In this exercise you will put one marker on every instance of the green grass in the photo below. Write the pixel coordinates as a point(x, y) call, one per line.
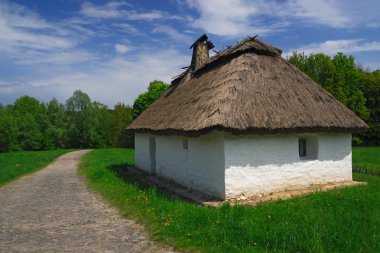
point(344, 220)
point(366, 160)
point(16, 164)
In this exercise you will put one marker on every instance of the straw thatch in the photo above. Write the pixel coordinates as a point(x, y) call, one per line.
point(247, 88)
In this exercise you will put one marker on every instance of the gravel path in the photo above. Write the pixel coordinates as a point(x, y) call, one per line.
point(53, 211)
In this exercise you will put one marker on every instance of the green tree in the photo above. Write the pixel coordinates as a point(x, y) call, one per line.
point(27, 105)
point(81, 121)
point(299, 60)
point(29, 137)
point(338, 75)
point(7, 130)
point(43, 122)
point(370, 86)
point(155, 90)
point(121, 118)
point(32, 123)
point(322, 70)
point(347, 76)
point(318, 67)
point(56, 130)
point(102, 125)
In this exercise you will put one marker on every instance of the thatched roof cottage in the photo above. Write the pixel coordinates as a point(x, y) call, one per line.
point(245, 121)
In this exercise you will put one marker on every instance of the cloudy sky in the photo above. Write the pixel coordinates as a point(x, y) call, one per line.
point(112, 49)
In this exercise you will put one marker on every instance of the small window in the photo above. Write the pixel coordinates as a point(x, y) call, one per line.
point(308, 147)
point(302, 147)
point(185, 143)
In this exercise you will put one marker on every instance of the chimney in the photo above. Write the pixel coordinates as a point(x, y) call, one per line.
point(200, 51)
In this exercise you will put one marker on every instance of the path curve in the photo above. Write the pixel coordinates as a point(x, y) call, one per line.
point(53, 211)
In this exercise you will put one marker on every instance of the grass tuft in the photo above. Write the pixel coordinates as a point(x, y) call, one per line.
point(343, 220)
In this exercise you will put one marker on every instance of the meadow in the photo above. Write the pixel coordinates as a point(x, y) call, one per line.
point(342, 220)
point(16, 164)
point(366, 160)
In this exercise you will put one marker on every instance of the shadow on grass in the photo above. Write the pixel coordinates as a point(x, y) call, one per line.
point(141, 180)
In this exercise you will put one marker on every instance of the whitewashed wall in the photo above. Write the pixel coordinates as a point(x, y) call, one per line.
point(225, 165)
point(199, 167)
point(264, 164)
point(142, 159)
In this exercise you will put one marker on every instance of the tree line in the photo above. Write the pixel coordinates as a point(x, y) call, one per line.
point(355, 87)
point(29, 124)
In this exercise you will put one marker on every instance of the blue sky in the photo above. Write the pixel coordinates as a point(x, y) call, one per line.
point(113, 49)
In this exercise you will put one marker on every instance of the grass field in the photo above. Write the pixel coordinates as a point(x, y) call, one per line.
point(345, 220)
point(366, 160)
point(16, 164)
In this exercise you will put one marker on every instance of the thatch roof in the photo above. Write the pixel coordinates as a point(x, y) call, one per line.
point(247, 88)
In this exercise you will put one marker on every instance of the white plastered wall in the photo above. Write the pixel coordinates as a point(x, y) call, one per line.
point(142, 159)
point(264, 164)
point(200, 167)
point(224, 165)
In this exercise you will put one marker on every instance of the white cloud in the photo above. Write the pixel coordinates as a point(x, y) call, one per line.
point(373, 25)
point(47, 55)
point(132, 15)
point(28, 39)
point(331, 47)
point(59, 58)
point(19, 16)
point(226, 17)
point(109, 10)
point(172, 33)
point(117, 10)
point(20, 27)
point(117, 79)
point(246, 17)
point(121, 48)
point(11, 38)
point(324, 12)
point(79, 26)
point(128, 28)
point(331, 13)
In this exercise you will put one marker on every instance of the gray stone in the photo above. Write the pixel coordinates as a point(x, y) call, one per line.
point(53, 211)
